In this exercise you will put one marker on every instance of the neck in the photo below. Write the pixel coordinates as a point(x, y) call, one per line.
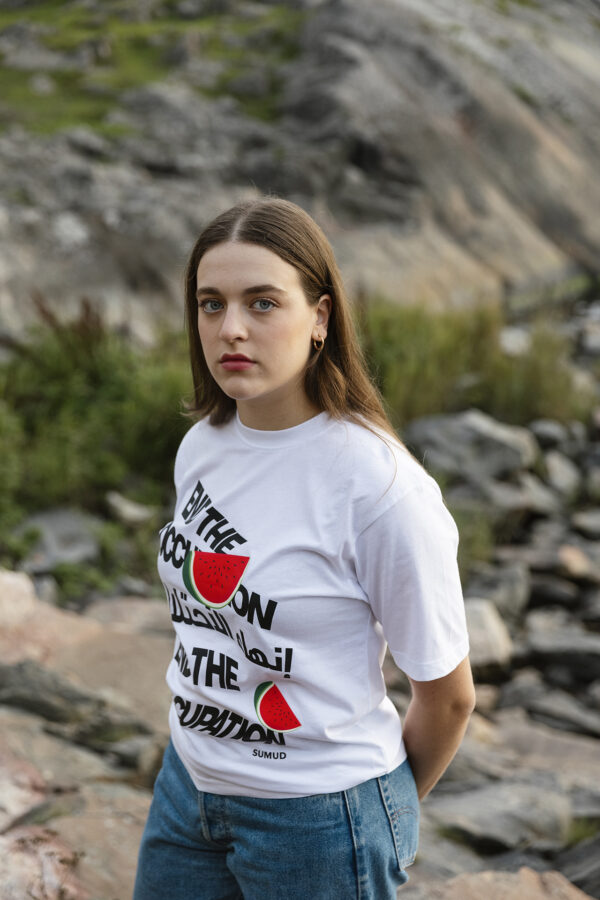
point(275, 417)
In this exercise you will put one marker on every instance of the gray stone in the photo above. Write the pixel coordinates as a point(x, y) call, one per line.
point(549, 433)
point(548, 590)
point(590, 610)
point(587, 521)
point(552, 638)
point(581, 865)
point(506, 586)
point(515, 341)
point(563, 711)
point(491, 645)
point(592, 483)
point(66, 536)
point(128, 511)
point(524, 814)
point(517, 501)
point(471, 445)
point(563, 475)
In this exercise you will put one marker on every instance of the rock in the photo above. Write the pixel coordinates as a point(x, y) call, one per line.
point(552, 638)
point(535, 813)
point(35, 863)
point(555, 708)
point(22, 788)
point(438, 856)
point(83, 717)
point(549, 433)
point(522, 885)
point(106, 833)
point(525, 685)
point(132, 615)
point(66, 536)
point(127, 511)
point(592, 483)
point(471, 445)
point(63, 766)
point(130, 666)
point(515, 341)
point(32, 628)
point(590, 609)
point(576, 562)
point(515, 503)
point(537, 747)
point(487, 697)
point(561, 710)
point(491, 645)
point(563, 475)
point(581, 865)
point(549, 590)
point(587, 521)
point(506, 586)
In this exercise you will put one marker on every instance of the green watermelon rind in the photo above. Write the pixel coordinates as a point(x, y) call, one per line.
point(188, 580)
point(187, 577)
point(259, 694)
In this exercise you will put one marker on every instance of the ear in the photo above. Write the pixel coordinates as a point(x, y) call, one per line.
point(323, 311)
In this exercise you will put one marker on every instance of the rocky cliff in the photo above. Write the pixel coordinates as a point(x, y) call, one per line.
point(449, 149)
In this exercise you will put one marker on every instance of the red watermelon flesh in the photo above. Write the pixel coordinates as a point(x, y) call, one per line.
point(272, 708)
point(213, 578)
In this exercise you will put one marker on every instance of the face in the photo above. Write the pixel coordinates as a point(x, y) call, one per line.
point(256, 328)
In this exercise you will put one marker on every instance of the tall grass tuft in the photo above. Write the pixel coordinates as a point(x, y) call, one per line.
point(428, 362)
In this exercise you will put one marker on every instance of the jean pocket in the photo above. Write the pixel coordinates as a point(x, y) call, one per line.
point(400, 799)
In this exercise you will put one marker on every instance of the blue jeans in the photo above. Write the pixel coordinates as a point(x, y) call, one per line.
point(349, 844)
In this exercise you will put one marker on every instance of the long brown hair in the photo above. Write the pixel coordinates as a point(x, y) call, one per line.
point(336, 378)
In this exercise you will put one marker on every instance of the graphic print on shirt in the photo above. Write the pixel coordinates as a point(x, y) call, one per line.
point(214, 579)
point(272, 709)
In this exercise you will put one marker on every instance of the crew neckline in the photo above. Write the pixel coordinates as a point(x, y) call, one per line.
point(283, 437)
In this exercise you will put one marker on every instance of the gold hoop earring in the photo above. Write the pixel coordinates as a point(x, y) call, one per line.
point(317, 345)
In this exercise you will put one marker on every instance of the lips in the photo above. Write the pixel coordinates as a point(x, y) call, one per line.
point(235, 362)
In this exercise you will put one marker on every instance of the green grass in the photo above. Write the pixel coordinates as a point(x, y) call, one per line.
point(128, 53)
point(427, 362)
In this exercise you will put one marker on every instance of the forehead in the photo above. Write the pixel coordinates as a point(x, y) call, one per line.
point(234, 264)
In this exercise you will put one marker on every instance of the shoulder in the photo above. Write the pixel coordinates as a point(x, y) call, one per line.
point(380, 470)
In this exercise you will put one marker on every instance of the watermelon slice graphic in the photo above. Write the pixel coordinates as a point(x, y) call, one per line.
point(272, 708)
point(213, 578)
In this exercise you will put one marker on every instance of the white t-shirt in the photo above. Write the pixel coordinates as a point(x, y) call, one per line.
point(341, 545)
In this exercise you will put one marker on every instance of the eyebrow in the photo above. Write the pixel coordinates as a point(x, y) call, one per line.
point(256, 289)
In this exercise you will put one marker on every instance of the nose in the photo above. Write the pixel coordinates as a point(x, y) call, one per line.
point(233, 327)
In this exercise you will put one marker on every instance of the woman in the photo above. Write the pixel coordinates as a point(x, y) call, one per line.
point(305, 536)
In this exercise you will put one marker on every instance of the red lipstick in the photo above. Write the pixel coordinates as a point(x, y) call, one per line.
point(233, 362)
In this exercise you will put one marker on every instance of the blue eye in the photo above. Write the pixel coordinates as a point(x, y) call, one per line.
point(210, 306)
point(263, 304)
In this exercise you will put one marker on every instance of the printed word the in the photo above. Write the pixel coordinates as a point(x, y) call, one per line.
point(208, 667)
point(213, 525)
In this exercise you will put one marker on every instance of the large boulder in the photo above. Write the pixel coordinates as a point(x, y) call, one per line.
point(471, 445)
point(534, 813)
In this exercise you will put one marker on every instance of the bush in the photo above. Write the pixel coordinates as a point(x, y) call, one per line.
point(90, 413)
point(433, 362)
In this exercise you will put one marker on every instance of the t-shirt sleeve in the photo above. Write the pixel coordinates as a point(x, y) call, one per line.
point(407, 565)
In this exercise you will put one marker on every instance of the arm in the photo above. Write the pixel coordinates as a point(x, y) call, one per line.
point(435, 723)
